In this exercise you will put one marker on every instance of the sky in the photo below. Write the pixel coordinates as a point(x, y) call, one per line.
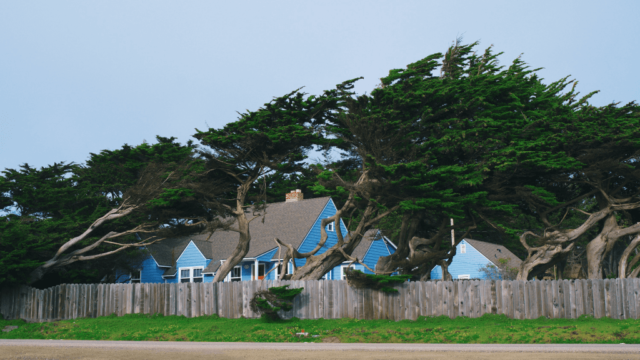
point(77, 77)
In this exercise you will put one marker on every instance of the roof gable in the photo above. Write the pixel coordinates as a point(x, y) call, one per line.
point(288, 221)
point(313, 235)
point(493, 252)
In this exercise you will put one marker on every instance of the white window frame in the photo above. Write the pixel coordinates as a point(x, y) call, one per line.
point(255, 273)
point(463, 248)
point(231, 277)
point(464, 277)
point(331, 227)
point(133, 280)
point(342, 267)
point(190, 277)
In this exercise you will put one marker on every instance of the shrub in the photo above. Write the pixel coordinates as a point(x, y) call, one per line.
point(268, 302)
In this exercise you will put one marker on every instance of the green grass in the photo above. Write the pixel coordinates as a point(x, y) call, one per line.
point(485, 330)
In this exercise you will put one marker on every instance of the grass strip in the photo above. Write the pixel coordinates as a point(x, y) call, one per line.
point(488, 329)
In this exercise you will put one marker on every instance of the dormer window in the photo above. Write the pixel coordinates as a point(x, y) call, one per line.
point(330, 227)
point(191, 274)
point(135, 276)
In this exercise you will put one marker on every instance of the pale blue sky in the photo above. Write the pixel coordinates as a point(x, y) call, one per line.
point(81, 76)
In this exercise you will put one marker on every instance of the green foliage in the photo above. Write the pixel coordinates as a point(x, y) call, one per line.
point(269, 302)
point(55, 203)
point(501, 271)
point(170, 197)
point(488, 329)
point(384, 283)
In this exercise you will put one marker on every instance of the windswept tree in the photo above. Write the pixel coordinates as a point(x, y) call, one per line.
point(68, 214)
point(417, 148)
point(270, 142)
point(463, 143)
point(591, 197)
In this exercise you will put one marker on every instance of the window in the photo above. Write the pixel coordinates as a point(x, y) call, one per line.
point(464, 277)
point(135, 276)
point(197, 275)
point(185, 276)
point(330, 227)
point(236, 273)
point(463, 248)
point(343, 275)
point(192, 274)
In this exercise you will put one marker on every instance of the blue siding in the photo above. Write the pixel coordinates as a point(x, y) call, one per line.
point(272, 274)
point(464, 264)
point(313, 238)
point(266, 257)
point(246, 273)
point(191, 256)
point(336, 272)
point(151, 272)
point(377, 249)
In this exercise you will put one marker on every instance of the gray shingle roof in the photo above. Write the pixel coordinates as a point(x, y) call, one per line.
point(493, 252)
point(288, 221)
point(371, 235)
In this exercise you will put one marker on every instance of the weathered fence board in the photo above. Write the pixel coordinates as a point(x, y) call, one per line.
point(614, 298)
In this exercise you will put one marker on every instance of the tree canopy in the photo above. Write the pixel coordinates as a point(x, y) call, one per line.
point(510, 158)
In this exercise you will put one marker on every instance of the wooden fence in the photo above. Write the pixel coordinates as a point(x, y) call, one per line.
point(616, 298)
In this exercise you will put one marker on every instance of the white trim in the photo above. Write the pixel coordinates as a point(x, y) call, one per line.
point(384, 241)
point(394, 246)
point(464, 277)
point(185, 249)
point(255, 269)
point(331, 227)
point(231, 271)
point(481, 254)
point(463, 248)
point(477, 251)
point(353, 266)
point(190, 268)
point(369, 249)
point(314, 222)
point(264, 253)
point(318, 217)
point(157, 264)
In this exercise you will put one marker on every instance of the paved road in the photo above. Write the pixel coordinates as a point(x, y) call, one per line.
point(74, 349)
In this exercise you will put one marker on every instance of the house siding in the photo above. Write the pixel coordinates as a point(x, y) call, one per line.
point(191, 256)
point(151, 272)
point(377, 249)
point(464, 264)
point(313, 237)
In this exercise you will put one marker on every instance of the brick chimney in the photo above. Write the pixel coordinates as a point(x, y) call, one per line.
point(294, 195)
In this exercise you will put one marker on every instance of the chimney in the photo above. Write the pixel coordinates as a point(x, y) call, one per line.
point(294, 195)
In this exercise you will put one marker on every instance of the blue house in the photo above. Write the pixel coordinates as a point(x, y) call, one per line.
point(471, 255)
point(296, 221)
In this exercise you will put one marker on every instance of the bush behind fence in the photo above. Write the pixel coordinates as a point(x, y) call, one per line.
point(333, 299)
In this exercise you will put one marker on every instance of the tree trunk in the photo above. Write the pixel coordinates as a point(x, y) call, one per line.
point(399, 258)
point(624, 267)
point(552, 248)
point(446, 276)
point(239, 252)
point(602, 245)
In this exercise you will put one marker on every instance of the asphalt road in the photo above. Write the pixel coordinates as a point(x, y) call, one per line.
point(77, 349)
